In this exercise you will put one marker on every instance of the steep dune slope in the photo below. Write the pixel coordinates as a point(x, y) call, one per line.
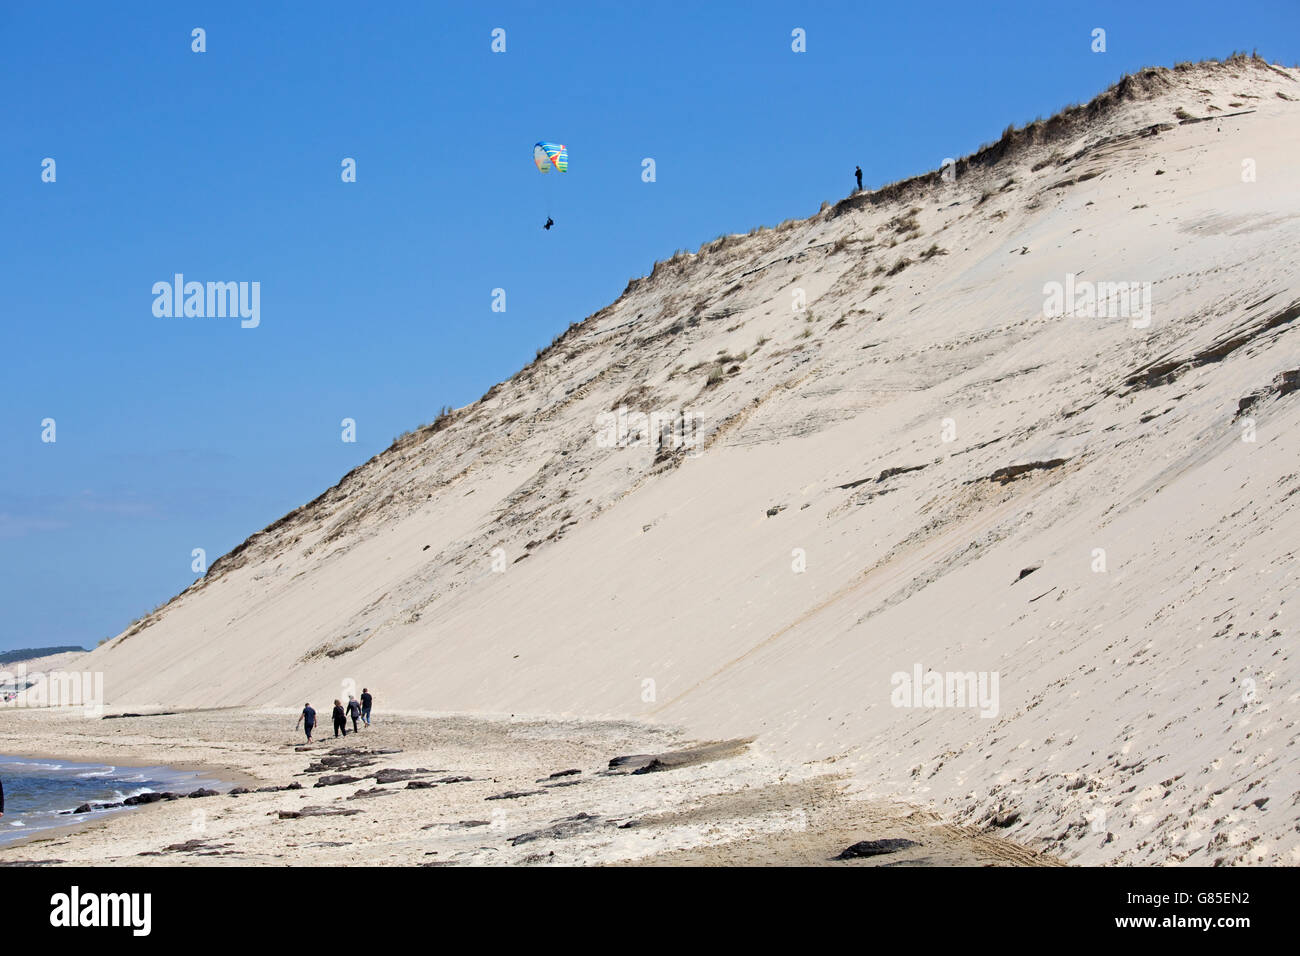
point(861, 487)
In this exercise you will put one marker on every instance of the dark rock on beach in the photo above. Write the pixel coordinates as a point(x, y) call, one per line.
point(559, 775)
point(654, 766)
point(566, 827)
point(92, 807)
point(420, 785)
point(292, 786)
point(147, 798)
point(31, 862)
point(161, 713)
point(316, 812)
point(349, 758)
point(466, 824)
point(393, 775)
point(201, 847)
point(336, 764)
point(632, 760)
point(653, 763)
point(514, 794)
point(372, 792)
point(335, 779)
point(875, 848)
point(203, 792)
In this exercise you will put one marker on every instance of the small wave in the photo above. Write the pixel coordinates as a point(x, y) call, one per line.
point(32, 765)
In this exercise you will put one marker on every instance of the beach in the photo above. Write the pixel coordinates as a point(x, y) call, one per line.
point(474, 790)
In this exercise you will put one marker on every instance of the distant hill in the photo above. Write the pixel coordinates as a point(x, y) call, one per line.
point(28, 653)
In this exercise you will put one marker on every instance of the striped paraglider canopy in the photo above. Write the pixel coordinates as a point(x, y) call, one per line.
point(550, 156)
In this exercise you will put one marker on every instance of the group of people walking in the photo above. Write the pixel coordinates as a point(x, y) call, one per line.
point(358, 711)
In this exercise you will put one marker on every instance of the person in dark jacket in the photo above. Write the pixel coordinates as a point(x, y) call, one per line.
point(354, 711)
point(366, 703)
point(858, 172)
point(340, 719)
point(308, 719)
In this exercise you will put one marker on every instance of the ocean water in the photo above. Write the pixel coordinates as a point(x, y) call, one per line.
point(36, 790)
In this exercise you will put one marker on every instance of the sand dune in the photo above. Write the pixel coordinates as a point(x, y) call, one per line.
point(867, 487)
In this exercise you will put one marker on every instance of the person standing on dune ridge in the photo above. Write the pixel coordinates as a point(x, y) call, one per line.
point(858, 172)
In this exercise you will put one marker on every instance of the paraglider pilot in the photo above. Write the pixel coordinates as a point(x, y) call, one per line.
point(547, 157)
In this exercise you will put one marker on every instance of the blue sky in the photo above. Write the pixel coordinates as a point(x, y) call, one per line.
point(179, 433)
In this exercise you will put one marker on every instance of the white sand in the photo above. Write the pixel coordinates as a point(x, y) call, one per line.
point(1126, 729)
